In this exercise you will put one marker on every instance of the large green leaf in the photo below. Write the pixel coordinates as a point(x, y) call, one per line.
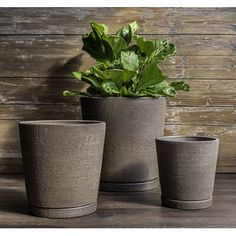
point(146, 46)
point(118, 45)
point(159, 50)
point(128, 31)
point(164, 88)
point(124, 92)
point(110, 87)
point(97, 43)
point(98, 48)
point(161, 89)
point(107, 48)
point(151, 75)
point(180, 85)
point(78, 75)
point(135, 48)
point(90, 45)
point(68, 93)
point(168, 50)
point(90, 79)
point(129, 61)
point(100, 28)
point(134, 26)
point(118, 76)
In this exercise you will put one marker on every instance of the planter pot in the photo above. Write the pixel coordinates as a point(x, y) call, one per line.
point(187, 168)
point(132, 124)
point(62, 163)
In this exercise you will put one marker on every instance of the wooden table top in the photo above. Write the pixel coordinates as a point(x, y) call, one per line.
point(132, 210)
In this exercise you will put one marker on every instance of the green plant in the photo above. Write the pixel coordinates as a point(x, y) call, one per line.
point(126, 64)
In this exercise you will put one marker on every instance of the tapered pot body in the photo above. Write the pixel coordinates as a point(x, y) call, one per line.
point(132, 124)
point(187, 168)
point(62, 165)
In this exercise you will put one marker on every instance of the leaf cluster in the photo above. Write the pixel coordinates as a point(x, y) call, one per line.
point(126, 64)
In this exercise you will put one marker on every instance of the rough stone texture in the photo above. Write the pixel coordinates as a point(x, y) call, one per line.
point(187, 170)
point(62, 165)
point(130, 162)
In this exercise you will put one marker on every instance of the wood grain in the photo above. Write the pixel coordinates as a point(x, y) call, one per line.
point(49, 91)
point(226, 134)
point(152, 20)
point(207, 93)
point(37, 90)
point(199, 56)
point(201, 115)
point(216, 116)
point(123, 210)
point(11, 165)
point(40, 112)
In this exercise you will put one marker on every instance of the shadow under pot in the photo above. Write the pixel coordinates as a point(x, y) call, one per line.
point(132, 125)
point(62, 162)
point(187, 166)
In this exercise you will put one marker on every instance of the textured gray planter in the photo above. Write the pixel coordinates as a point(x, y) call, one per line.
point(187, 166)
point(62, 165)
point(132, 124)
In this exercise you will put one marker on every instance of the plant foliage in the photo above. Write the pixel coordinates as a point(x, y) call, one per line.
point(126, 64)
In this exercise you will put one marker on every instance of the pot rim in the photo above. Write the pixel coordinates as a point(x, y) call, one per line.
point(134, 98)
point(62, 122)
point(187, 139)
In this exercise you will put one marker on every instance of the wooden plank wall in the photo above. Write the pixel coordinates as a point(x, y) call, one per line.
point(39, 48)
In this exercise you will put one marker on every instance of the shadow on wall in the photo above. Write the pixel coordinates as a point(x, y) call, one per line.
point(65, 69)
point(61, 72)
point(37, 98)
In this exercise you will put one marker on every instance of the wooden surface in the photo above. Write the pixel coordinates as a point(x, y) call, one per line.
point(123, 209)
point(39, 48)
point(153, 20)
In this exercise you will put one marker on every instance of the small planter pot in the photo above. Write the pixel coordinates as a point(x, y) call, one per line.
point(62, 163)
point(132, 125)
point(187, 168)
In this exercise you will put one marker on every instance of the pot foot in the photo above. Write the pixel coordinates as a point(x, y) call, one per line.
point(128, 187)
point(63, 212)
point(186, 205)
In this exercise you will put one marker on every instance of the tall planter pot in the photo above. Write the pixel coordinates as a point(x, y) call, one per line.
point(187, 166)
point(132, 124)
point(62, 163)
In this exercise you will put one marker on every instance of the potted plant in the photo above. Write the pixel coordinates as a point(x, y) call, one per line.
point(62, 162)
point(127, 91)
point(187, 166)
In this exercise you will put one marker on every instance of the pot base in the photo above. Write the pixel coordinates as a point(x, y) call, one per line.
point(186, 205)
point(128, 187)
point(63, 212)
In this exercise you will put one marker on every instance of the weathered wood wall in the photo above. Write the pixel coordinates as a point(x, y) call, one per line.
point(39, 48)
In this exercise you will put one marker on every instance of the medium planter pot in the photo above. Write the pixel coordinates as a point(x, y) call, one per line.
point(132, 124)
point(187, 166)
point(62, 163)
